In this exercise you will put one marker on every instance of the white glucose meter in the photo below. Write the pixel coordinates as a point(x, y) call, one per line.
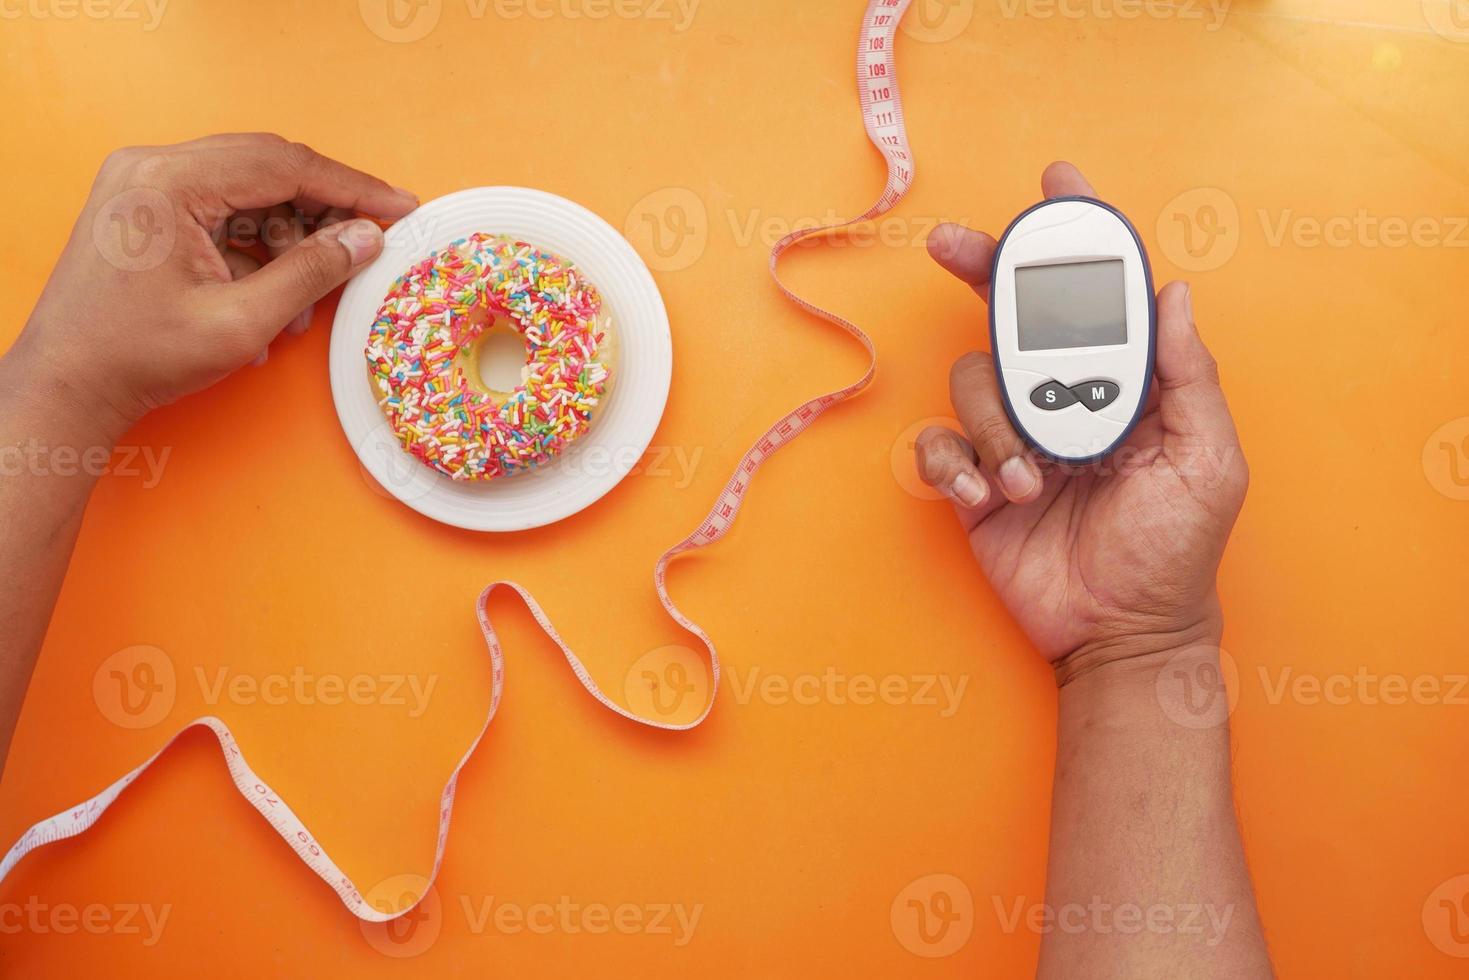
point(1073, 324)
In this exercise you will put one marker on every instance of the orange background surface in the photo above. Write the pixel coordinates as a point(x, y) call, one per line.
point(792, 827)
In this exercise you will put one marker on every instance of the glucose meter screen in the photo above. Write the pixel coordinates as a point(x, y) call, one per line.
point(1078, 304)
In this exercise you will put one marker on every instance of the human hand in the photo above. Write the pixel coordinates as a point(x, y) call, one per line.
point(157, 294)
point(1110, 561)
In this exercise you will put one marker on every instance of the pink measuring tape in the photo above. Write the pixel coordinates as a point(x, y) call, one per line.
point(882, 114)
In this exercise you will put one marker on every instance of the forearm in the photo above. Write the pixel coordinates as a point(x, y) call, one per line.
point(1147, 875)
point(47, 435)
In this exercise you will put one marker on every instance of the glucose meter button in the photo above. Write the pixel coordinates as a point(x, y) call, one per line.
point(1096, 395)
point(1051, 396)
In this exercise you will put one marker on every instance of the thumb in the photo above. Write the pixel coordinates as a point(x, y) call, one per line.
point(286, 285)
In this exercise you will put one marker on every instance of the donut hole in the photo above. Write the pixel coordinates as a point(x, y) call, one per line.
point(502, 355)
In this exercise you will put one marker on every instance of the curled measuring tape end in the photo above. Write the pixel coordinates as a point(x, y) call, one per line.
point(882, 114)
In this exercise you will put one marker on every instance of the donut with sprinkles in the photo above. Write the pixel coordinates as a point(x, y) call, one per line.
point(424, 346)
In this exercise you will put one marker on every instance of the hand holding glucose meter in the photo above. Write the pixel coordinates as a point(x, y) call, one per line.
point(1073, 324)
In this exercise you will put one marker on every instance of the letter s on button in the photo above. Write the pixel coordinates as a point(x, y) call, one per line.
point(1051, 396)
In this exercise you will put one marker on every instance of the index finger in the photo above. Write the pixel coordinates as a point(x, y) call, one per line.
point(262, 173)
point(967, 254)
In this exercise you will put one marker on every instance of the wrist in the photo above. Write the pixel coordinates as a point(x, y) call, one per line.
point(52, 405)
point(1151, 685)
point(1139, 651)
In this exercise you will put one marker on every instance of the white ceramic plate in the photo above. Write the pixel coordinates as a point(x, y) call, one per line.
point(622, 426)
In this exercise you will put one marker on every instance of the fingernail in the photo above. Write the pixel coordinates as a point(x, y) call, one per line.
point(405, 192)
point(302, 323)
point(1019, 477)
point(363, 239)
point(1188, 301)
point(969, 490)
point(261, 358)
